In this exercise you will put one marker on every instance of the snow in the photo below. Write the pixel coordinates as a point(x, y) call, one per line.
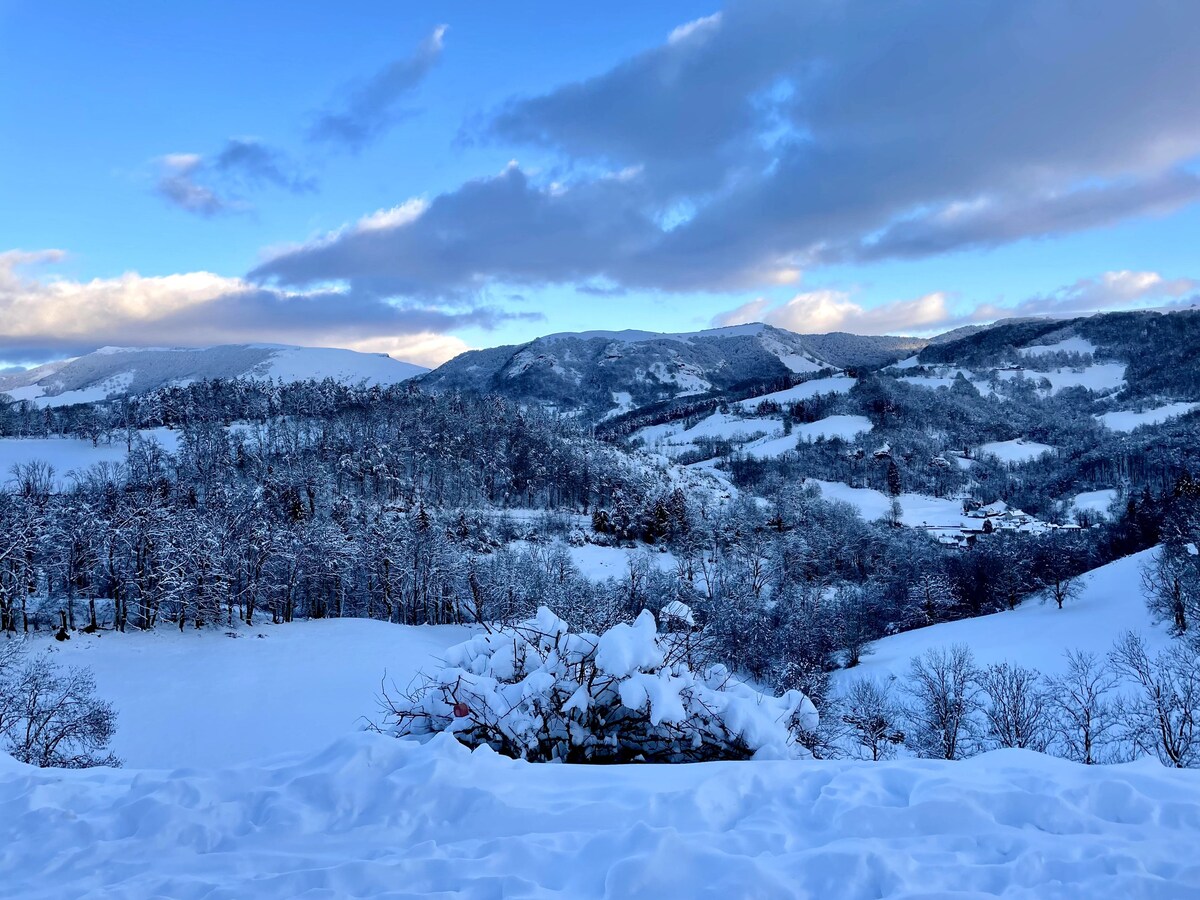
point(1035, 634)
point(1095, 501)
point(1070, 345)
point(199, 698)
point(1016, 451)
point(347, 366)
point(72, 455)
point(1128, 420)
point(672, 438)
point(945, 377)
point(1102, 378)
point(372, 816)
point(917, 509)
point(845, 427)
point(601, 563)
point(836, 384)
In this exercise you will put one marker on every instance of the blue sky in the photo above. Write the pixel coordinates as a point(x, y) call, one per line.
point(419, 178)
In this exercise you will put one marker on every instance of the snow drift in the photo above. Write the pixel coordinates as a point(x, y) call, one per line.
point(376, 817)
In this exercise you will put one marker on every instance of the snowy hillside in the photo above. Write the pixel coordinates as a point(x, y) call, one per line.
point(1036, 634)
point(116, 370)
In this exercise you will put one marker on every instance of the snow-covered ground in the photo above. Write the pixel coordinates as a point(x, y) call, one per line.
point(371, 816)
point(1070, 345)
point(1016, 451)
point(1096, 502)
point(199, 698)
point(917, 509)
point(67, 455)
point(1035, 634)
point(1101, 377)
point(836, 384)
point(1127, 419)
point(845, 427)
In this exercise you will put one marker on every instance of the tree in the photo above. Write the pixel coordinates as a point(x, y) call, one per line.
point(1018, 709)
point(1083, 714)
point(1162, 716)
point(873, 716)
point(943, 703)
point(50, 717)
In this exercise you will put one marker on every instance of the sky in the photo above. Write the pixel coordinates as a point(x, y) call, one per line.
point(419, 179)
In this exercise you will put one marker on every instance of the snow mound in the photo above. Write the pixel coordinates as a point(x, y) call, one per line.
point(371, 816)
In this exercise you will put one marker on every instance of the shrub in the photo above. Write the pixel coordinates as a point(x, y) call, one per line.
point(542, 692)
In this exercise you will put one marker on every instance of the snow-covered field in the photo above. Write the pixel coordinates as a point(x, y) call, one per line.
point(371, 816)
point(916, 509)
point(1127, 419)
point(836, 384)
point(199, 698)
point(1016, 451)
point(67, 455)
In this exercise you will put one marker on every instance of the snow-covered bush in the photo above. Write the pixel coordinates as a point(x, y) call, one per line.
point(542, 692)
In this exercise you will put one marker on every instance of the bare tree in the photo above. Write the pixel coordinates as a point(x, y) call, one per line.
point(1083, 714)
point(1165, 582)
point(873, 717)
point(944, 703)
point(1162, 716)
point(1017, 712)
point(51, 717)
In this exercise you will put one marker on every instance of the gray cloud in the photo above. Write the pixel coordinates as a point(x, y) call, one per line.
point(783, 135)
point(369, 108)
point(212, 186)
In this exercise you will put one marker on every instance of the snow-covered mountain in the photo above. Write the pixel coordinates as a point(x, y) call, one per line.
point(608, 372)
point(116, 370)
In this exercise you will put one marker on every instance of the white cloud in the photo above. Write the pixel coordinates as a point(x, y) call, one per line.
point(47, 315)
point(817, 312)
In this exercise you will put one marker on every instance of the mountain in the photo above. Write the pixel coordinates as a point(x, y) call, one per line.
point(604, 373)
point(116, 370)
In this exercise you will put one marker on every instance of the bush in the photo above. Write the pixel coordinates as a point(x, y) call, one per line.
point(542, 692)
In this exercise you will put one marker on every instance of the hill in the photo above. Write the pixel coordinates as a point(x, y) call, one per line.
point(119, 370)
point(603, 374)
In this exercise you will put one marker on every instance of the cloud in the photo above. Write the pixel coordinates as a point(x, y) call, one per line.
point(366, 110)
point(43, 316)
point(212, 186)
point(825, 310)
point(177, 185)
point(818, 312)
point(776, 136)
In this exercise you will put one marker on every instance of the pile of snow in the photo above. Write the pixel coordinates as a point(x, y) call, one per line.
point(542, 692)
point(1016, 451)
point(371, 816)
point(1127, 419)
